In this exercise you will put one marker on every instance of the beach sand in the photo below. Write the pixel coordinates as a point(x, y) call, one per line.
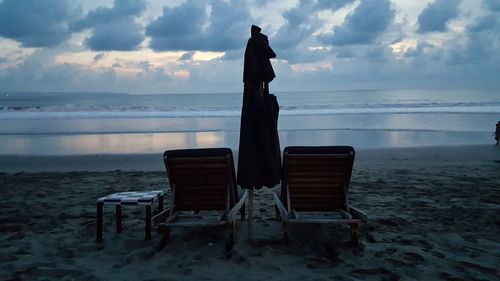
point(433, 214)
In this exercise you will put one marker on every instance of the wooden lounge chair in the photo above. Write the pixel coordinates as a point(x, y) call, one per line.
point(314, 188)
point(201, 180)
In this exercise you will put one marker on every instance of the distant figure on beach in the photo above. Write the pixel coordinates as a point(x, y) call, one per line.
point(497, 132)
point(259, 158)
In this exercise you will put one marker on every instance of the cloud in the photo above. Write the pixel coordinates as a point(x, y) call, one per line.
point(189, 27)
point(482, 39)
point(482, 24)
point(39, 72)
point(120, 35)
point(419, 50)
point(289, 39)
point(437, 14)
point(298, 26)
point(492, 5)
point(261, 3)
point(294, 37)
point(103, 15)
point(187, 56)
point(363, 26)
point(114, 28)
point(98, 57)
point(37, 23)
point(333, 5)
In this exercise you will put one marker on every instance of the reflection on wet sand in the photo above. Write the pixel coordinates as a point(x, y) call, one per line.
point(159, 142)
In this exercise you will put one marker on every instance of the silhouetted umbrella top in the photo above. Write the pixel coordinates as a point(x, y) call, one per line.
point(257, 66)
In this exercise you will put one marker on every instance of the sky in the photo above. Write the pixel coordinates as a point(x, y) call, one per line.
point(197, 46)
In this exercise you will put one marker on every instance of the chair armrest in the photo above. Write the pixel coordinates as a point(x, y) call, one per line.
point(231, 215)
point(345, 214)
point(281, 207)
point(161, 216)
point(358, 214)
point(166, 221)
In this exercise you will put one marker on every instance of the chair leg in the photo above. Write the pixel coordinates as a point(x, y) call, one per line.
point(160, 203)
point(242, 212)
point(230, 236)
point(99, 222)
point(277, 213)
point(165, 231)
point(250, 214)
point(118, 215)
point(354, 241)
point(148, 222)
point(286, 237)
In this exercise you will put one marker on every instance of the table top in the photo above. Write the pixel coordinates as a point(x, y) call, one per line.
point(131, 198)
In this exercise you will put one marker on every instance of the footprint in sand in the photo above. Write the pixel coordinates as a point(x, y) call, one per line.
point(383, 273)
point(438, 254)
point(185, 271)
point(413, 258)
point(386, 252)
point(447, 276)
point(239, 259)
point(387, 222)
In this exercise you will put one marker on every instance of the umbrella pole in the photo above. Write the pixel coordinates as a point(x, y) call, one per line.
point(250, 214)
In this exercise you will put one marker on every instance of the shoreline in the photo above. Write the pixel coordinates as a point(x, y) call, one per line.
point(154, 162)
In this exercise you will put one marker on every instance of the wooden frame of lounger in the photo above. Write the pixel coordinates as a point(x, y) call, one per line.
point(314, 188)
point(201, 180)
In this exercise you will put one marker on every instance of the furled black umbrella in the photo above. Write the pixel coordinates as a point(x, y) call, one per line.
point(259, 158)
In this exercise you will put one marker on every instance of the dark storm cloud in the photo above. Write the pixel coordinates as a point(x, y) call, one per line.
point(37, 23)
point(437, 14)
point(364, 25)
point(188, 27)
point(114, 28)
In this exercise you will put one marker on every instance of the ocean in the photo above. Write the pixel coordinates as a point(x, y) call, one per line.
point(102, 123)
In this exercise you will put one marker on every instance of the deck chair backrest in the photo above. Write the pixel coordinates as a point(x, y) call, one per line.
point(317, 178)
point(201, 179)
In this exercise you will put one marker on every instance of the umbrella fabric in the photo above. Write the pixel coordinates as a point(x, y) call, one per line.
point(259, 158)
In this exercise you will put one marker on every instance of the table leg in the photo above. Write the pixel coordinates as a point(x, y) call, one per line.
point(118, 215)
point(250, 214)
point(99, 222)
point(160, 203)
point(148, 222)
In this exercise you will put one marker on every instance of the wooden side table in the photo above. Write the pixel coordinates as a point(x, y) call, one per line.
point(146, 198)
